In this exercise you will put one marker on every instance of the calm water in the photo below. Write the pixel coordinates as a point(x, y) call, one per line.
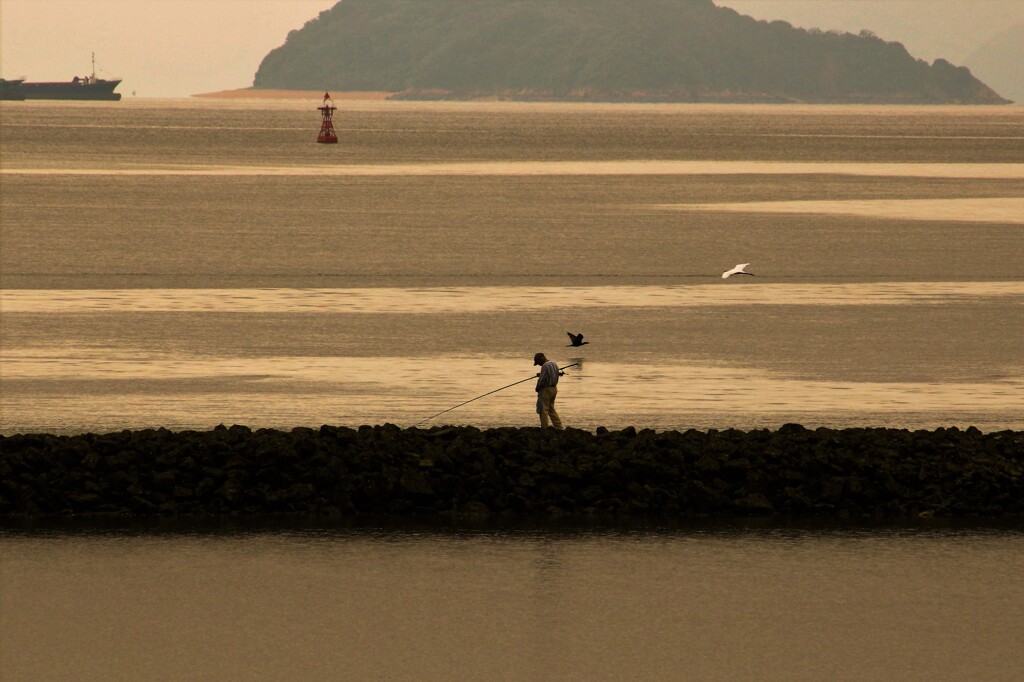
point(187, 263)
point(710, 604)
point(183, 264)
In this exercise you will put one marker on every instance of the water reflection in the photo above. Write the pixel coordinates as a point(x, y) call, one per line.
point(500, 298)
point(991, 210)
point(709, 604)
point(107, 389)
point(553, 168)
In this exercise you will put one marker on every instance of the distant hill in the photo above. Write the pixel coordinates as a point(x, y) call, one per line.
point(599, 50)
point(986, 36)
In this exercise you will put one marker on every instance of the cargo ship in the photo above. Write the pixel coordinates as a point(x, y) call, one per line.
point(79, 87)
point(11, 89)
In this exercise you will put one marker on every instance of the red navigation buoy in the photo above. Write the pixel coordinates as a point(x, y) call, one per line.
point(326, 127)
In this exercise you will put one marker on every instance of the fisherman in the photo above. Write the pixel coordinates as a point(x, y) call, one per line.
point(547, 390)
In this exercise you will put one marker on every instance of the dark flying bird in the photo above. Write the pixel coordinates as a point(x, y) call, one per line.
point(576, 339)
point(738, 270)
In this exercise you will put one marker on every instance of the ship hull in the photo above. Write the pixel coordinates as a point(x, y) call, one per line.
point(11, 89)
point(98, 90)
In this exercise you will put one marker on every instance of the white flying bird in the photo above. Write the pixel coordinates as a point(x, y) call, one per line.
point(738, 270)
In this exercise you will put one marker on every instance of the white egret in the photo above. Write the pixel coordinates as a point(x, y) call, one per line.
point(738, 270)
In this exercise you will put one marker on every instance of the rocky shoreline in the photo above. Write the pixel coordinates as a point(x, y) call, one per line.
point(515, 473)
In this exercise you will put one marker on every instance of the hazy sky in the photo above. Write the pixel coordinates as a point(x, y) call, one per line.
point(175, 48)
point(161, 48)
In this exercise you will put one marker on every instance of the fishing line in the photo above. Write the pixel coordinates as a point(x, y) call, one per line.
point(487, 394)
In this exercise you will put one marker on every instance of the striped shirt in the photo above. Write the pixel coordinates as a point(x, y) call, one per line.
point(548, 375)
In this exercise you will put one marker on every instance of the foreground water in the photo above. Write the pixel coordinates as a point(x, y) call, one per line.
point(186, 263)
point(710, 602)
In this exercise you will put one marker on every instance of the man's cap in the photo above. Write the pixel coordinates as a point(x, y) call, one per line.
point(538, 359)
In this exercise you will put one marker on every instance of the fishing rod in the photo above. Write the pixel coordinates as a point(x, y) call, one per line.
point(487, 394)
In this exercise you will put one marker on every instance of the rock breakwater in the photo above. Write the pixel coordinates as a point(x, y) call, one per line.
point(515, 472)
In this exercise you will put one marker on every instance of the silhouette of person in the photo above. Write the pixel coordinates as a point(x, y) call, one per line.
point(547, 391)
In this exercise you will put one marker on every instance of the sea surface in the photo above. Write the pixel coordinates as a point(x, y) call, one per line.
point(187, 263)
point(709, 602)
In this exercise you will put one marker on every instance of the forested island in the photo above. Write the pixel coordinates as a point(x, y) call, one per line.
point(600, 50)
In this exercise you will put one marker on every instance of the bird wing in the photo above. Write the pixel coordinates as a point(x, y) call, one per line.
point(736, 270)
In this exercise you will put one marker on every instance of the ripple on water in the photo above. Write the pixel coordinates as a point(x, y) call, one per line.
point(504, 298)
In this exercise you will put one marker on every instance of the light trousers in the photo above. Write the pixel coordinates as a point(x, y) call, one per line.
point(547, 407)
